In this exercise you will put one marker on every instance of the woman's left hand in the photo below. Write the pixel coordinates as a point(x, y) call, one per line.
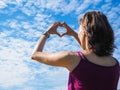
point(53, 28)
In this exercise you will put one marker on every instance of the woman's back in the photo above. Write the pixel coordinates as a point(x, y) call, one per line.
point(100, 60)
point(92, 75)
point(97, 70)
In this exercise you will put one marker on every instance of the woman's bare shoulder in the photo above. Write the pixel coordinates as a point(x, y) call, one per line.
point(102, 61)
point(75, 60)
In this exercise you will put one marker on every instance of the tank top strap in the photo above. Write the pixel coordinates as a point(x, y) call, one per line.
point(80, 54)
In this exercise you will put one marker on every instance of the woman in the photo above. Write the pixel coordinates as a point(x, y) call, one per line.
point(94, 68)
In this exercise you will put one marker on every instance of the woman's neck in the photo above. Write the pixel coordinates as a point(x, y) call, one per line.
point(87, 51)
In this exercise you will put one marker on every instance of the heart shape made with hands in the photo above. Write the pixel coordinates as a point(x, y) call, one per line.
point(61, 30)
point(53, 29)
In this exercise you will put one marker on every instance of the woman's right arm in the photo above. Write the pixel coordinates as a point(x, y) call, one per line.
point(75, 35)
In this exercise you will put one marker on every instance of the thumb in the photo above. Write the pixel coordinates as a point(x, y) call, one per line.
point(58, 34)
point(63, 34)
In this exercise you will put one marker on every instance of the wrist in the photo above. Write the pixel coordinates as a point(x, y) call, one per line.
point(74, 34)
point(47, 34)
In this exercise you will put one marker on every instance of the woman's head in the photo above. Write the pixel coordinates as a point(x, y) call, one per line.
point(99, 34)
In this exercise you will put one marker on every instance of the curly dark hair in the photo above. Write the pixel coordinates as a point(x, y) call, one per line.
point(99, 32)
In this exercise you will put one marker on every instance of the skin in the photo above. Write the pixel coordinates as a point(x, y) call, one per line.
point(69, 59)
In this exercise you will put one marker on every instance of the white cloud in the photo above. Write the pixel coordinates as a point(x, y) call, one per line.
point(13, 73)
point(5, 33)
point(28, 88)
point(83, 5)
point(42, 17)
point(2, 4)
point(106, 6)
point(18, 40)
point(51, 76)
point(30, 7)
point(14, 24)
point(13, 52)
point(70, 7)
point(28, 11)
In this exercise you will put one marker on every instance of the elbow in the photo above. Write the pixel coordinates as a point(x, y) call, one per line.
point(33, 56)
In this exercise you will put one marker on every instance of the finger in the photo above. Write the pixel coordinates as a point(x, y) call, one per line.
point(55, 25)
point(64, 24)
point(55, 22)
point(58, 34)
point(59, 24)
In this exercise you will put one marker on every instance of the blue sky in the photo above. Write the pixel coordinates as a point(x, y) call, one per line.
point(22, 22)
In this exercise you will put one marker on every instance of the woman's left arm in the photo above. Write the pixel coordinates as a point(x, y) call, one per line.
point(65, 59)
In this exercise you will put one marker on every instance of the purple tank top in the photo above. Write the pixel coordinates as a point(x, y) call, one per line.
point(90, 76)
